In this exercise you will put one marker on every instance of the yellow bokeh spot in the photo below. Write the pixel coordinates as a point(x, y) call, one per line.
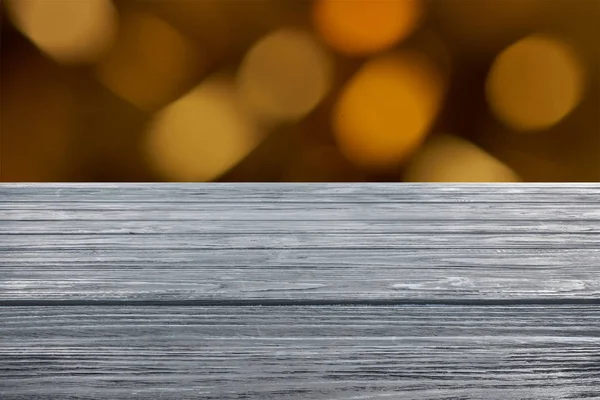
point(201, 135)
point(534, 83)
point(149, 63)
point(386, 109)
point(360, 27)
point(447, 158)
point(285, 75)
point(69, 31)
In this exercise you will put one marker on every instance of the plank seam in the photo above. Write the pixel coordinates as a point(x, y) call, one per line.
point(303, 302)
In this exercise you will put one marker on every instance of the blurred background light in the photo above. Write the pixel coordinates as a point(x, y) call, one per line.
point(386, 109)
point(361, 27)
point(284, 75)
point(202, 134)
point(311, 90)
point(150, 62)
point(447, 158)
point(70, 31)
point(535, 83)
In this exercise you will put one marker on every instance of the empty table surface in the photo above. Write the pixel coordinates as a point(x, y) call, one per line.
point(299, 291)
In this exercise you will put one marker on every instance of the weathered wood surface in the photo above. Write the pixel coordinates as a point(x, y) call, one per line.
point(294, 291)
point(397, 352)
point(452, 274)
point(292, 241)
point(580, 193)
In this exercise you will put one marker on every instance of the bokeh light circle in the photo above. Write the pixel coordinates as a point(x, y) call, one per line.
point(285, 75)
point(150, 61)
point(69, 31)
point(387, 108)
point(447, 158)
point(535, 83)
point(202, 134)
point(361, 27)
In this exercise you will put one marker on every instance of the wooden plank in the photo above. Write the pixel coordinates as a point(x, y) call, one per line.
point(299, 192)
point(153, 242)
point(282, 212)
point(365, 227)
point(450, 274)
point(400, 352)
point(292, 240)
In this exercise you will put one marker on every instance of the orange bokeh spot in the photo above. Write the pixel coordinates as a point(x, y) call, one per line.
point(360, 27)
point(384, 112)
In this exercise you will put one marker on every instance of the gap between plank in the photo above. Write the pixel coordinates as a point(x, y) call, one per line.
point(302, 302)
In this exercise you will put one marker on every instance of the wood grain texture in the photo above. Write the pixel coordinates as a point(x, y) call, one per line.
point(302, 274)
point(321, 242)
point(401, 352)
point(300, 192)
point(299, 291)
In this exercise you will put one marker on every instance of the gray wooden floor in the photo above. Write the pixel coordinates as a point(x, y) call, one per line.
point(299, 291)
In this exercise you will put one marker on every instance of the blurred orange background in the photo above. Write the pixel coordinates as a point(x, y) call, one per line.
point(300, 91)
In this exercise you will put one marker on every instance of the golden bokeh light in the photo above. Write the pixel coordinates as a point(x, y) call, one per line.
point(347, 90)
point(535, 83)
point(447, 158)
point(70, 31)
point(284, 75)
point(387, 108)
point(149, 63)
point(202, 134)
point(361, 27)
